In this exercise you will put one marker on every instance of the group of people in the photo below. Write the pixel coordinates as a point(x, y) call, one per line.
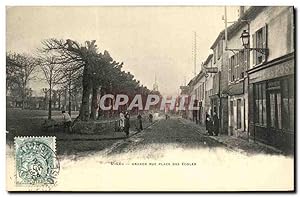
point(212, 124)
point(124, 122)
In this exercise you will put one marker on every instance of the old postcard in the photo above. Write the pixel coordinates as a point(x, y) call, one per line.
point(150, 98)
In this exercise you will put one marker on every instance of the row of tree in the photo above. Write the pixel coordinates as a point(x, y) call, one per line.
point(79, 67)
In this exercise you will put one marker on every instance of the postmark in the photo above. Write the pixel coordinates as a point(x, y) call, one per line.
point(36, 161)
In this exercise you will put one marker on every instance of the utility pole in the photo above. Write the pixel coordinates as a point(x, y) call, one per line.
point(225, 21)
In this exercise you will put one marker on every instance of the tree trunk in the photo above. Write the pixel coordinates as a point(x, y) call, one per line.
point(23, 98)
point(70, 95)
point(84, 110)
point(59, 96)
point(65, 99)
point(94, 102)
point(99, 109)
point(50, 102)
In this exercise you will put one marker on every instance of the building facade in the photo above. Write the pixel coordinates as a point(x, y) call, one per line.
point(251, 87)
point(219, 97)
point(271, 77)
point(208, 64)
point(238, 64)
point(197, 91)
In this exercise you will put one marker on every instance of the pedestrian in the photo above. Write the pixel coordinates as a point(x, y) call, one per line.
point(140, 122)
point(150, 118)
point(216, 124)
point(122, 121)
point(206, 120)
point(210, 126)
point(67, 122)
point(167, 117)
point(127, 123)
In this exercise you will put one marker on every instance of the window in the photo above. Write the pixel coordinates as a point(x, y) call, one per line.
point(236, 73)
point(232, 68)
point(281, 99)
point(237, 66)
point(216, 83)
point(231, 108)
point(291, 103)
point(231, 114)
point(241, 65)
point(200, 92)
point(220, 48)
point(259, 39)
point(260, 104)
point(264, 104)
point(275, 109)
point(238, 114)
point(215, 55)
point(287, 105)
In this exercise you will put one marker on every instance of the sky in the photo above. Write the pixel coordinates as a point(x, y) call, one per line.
point(148, 40)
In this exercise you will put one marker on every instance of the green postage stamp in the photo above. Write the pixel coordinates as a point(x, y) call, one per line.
point(36, 161)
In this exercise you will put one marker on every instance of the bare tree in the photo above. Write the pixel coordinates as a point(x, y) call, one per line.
point(80, 59)
point(53, 76)
point(20, 69)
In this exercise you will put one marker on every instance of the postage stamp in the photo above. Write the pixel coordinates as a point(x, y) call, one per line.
point(36, 160)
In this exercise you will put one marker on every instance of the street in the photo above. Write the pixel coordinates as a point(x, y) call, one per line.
point(163, 134)
point(172, 150)
point(157, 138)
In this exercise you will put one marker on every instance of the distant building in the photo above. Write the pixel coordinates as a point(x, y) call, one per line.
point(155, 85)
point(208, 84)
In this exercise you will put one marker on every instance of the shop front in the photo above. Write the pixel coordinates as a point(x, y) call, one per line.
point(272, 103)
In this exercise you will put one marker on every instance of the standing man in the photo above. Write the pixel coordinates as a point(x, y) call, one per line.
point(122, 121)
point(150, 118)
point(216, 124)
point(67, 122)
point(140, 122)
point(206, 120)
point(127, 124)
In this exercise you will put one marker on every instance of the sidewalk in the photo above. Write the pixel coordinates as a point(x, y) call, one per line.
point(237, 144)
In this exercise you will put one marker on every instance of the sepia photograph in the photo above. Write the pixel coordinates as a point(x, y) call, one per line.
point(150, 98)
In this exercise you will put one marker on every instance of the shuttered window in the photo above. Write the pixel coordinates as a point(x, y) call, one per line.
point(229, 70)
point(259, 41)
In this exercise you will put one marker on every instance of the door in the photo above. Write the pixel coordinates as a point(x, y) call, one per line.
point(274, 116)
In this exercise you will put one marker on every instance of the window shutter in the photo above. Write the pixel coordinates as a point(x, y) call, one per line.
point(229, 69)
point(265, 41)
point(221, 48)
point(254, 51)
point(230, 74)
point(236, 66)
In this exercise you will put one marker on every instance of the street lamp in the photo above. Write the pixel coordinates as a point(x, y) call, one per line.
point(245, 38)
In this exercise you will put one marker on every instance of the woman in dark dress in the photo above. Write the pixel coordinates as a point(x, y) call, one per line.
point(216, 124)
point(127, 124)
point(206, 121)
point(140, 122)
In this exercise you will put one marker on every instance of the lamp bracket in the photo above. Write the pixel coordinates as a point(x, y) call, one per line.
point(263, 51)
point(234, 50)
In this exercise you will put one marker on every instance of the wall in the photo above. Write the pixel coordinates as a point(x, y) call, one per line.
point(222, 109)
point(280, 34)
